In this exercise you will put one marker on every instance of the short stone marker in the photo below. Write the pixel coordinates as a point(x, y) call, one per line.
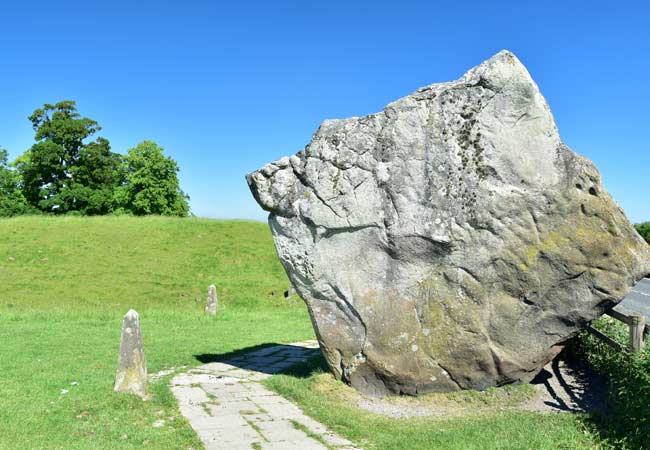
point(211, 306)
point(131, 373)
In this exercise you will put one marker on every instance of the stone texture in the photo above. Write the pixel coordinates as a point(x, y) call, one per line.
point(131, 373)
point(211, 305)
point(450, 241)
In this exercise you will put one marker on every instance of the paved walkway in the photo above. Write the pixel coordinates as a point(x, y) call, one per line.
point(230, 409)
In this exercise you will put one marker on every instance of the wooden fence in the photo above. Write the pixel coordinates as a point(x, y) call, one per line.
point(638, 328)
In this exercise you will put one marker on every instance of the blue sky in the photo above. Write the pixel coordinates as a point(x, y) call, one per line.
point(226, 87)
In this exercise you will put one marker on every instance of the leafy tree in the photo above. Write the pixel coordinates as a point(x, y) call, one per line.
point(151, 183)
point(63, 173)
point(644, 230)
point(60, 173)
point(12, 201)
point(97, 173)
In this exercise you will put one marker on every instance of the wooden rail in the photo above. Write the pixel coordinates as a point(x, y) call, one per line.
point(637, 326)
point(606, 339)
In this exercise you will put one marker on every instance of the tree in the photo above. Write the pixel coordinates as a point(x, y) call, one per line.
point(12, 201)
point(97, 173)
point(63, 173)
point(60, 173)
point(151, 183)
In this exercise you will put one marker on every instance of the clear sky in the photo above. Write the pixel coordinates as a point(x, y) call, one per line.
point(226, 87)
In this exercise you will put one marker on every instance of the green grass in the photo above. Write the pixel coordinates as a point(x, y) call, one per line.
point(102, 263)
point(67, 282)
point(488, 424)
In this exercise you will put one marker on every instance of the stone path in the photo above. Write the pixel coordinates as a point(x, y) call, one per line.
point(230, 409)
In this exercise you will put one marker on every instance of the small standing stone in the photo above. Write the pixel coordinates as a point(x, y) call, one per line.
point(212, 306)
point(131, 374)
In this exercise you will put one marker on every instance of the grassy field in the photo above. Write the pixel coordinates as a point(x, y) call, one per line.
point(66, 283)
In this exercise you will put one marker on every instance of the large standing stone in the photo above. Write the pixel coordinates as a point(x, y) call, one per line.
point(131, 374)
point(211, 305)
point(451, 241)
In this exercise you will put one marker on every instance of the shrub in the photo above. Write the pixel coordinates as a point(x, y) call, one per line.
point(627, 424)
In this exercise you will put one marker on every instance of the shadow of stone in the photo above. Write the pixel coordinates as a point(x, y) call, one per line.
point(271, 359)
point(221, 357)
point(313, 365)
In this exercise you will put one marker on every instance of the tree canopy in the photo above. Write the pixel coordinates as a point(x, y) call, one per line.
point(64, 172)
point(12, 200)
point(151, 183)
point(48, 168)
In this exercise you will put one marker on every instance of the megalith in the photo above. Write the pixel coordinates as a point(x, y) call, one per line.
point(450, 241)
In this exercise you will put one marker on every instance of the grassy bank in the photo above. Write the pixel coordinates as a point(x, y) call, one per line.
point(106, 263)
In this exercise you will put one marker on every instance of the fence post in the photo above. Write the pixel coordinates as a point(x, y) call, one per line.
point(637, 326)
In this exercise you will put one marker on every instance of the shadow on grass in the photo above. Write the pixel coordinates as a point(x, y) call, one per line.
point(315, 364)
point(271, 359)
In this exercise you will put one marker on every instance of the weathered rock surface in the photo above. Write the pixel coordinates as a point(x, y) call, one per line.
point(131, 373)
point(451, 241)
